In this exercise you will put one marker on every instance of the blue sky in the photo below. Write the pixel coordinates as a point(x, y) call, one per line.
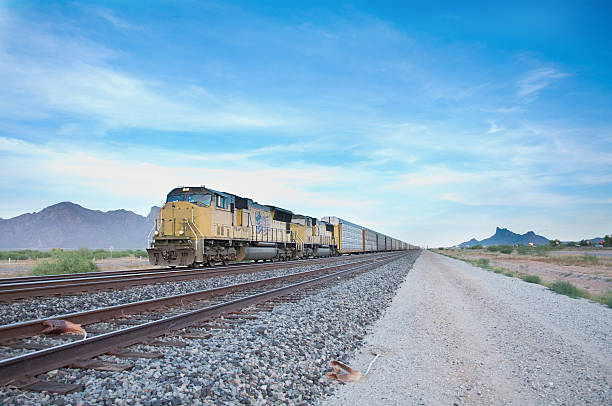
point(432, 123)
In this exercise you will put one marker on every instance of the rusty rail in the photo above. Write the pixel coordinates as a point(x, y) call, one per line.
point(42, 278)
point(34, 327)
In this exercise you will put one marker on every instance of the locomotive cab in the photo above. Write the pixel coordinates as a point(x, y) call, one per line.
point(181, 227)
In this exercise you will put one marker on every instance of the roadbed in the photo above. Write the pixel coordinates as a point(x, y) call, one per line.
point(456, 334)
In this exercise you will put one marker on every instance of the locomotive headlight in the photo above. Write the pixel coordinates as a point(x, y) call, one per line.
point(156, 232)
point(181, 232)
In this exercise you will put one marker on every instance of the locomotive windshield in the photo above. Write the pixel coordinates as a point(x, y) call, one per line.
point(202, 200)
point(175, 198)
point(199, 199)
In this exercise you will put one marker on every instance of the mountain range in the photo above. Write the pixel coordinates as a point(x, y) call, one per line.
point(503, 236)
point(68, 225)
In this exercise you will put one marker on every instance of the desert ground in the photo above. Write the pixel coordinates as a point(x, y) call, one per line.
point(590, 270)
point(23, 267)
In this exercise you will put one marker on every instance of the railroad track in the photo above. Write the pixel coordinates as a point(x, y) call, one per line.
point(40, 286)
point(202, 307)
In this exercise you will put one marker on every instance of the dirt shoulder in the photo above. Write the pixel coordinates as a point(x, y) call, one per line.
point(456, 334)
point(591, 274)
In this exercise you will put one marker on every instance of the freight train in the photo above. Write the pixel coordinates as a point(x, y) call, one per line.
point(199, 226)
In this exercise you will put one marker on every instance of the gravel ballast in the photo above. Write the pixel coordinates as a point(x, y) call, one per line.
point(278, 358)
point(458, 335)
point(32, 309)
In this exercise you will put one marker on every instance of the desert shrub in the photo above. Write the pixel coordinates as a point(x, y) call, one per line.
point(24, 254)
point(531, 278)
point(476, 247)
point(122, 254)
point(65, 262)
point(523, 249)
point(141, 253)
point(101, 254)
point(504, 249)
point(566, 288)
point(606, 299)
point(542, 249)
point(483, 262)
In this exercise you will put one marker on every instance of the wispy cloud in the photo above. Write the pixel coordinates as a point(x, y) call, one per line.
point(75, 76)
point(349, 114)
point(108, 15)
point(535, 80)
point(71, 171)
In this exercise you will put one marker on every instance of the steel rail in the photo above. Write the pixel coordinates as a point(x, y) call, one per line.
point(78, 285)
point(34, 327)
point(29, 365)
point(25, 280)
point(42, 278)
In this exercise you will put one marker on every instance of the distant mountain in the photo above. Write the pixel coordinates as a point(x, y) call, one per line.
point(68, 225)
point(470, 243)
point(503, 236)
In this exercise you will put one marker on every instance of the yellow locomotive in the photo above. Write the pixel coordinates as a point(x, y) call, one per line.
point(201, 226)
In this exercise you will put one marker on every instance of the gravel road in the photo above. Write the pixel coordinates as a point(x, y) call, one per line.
point(456, 334)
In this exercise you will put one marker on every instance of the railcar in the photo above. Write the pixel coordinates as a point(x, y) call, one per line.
point(201, 226)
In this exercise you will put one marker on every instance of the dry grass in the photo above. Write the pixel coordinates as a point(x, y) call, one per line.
point(577, 260)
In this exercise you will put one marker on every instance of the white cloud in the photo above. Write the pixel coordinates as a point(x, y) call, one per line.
point(112, 18)
point(536, 80)
point(73, 75)
point(75, 172)
point(399, 205)
point(493, 127)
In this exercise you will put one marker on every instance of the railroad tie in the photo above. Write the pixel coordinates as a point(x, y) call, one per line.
point(195, 336)
point(172, 343)
point(239, 316)
point(101, 366)
point(96, 330)
point(51, 386)
point(27, 346)
point(135, 354)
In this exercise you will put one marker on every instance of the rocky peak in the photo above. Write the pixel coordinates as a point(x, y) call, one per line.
point(69, 225)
